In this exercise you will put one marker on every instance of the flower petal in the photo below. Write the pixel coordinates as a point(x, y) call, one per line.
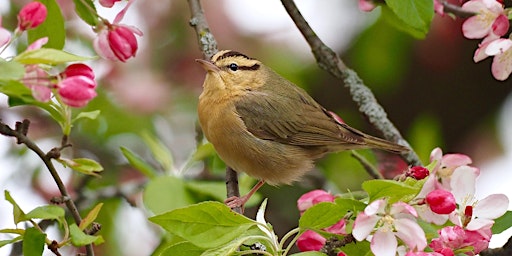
point(363, 226)
point(384, 243)
point(463, 183)
point(411, 233)
point(375, 207)
point(491, 207)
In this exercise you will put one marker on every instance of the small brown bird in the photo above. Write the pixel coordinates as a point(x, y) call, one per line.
point(266, 126)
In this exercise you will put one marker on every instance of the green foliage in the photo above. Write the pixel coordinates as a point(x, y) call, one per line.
point(52, 27)
point(157, 191)
point(394, 191)
point(138, 162)
point(321, 215)
point(33, 242)
point(502, 223)
point(47, 212)
point(79, 238)
point(200, 222)
point(48, 56)
point(86, 11)
point(11, 70)
point(411, 16)
point(83, 165)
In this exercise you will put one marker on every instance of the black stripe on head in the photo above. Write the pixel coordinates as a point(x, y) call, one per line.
point(232, 54)
point(253, 67)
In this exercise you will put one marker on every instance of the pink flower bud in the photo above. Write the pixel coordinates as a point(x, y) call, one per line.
point(313, 197)
point(31, 15)
point(78, 69)
point(417, 172)
point(39, 83)
point(310, 241)
point(441, 201)
point(77, 91)
point(108, 3)
point(338, 228)
point(123, 43)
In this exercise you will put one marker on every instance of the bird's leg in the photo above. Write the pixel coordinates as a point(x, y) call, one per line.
point(235, 201)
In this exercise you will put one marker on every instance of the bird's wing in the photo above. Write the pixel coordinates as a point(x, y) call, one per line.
point(293, 118)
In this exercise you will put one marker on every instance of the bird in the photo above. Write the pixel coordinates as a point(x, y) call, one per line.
point(264, 125)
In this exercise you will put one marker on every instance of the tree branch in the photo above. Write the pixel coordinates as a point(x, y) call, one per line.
point(20, 132)
point(208, 46)
point(328, 60)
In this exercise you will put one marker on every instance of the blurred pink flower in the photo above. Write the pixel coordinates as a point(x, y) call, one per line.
point(502, 62)
point(313, 197)
point(452, 238)
point(310, 241)
point(38, 81)
point(31, 15)
point(438, 7)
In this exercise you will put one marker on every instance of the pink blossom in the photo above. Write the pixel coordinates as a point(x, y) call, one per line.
point(502, 62)
point(441, 201)
point(453, 238)
point(483, 24)
point(310, 241)
point(338, 228)
point(446, 164)
point(116, 41)
point(386, 224)
point(31, 15)
point(424, 210)
point(77, 91)
point(38, 81)
point(474, 214)
point(313, 197)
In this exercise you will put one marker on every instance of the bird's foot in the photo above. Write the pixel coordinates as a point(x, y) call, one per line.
point(236, 202)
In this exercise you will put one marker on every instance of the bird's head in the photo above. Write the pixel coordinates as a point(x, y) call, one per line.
point(233, 70)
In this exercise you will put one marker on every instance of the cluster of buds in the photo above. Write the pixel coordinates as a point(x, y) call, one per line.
point(446, 199)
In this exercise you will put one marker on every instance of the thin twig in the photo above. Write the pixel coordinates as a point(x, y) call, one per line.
point(20, 133)
point(456, 10)
point(208, 46)
point(328, 60)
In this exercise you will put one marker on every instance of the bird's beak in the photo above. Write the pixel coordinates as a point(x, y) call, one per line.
point(208, 66)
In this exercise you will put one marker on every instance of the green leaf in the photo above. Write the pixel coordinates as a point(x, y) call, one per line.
point(91, 216)
point(346, 204)
point(52, 27)
point(89, 114)
point(414, 15)
point(86, 11)
point(48, 56)
point(320, 216)
point(11, 70)
point(166, 193)
point(180, 249)
point(17, 213)
point(161, 153)
point(47, 212)
point(139, 163)
point(393, 190)
point(200, 222)
point(14, 240)
point(33, 242)
point(83, 165)
point(79, 238)
point(502, 223)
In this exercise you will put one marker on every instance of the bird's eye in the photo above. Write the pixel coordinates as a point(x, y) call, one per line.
point(233, 66)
